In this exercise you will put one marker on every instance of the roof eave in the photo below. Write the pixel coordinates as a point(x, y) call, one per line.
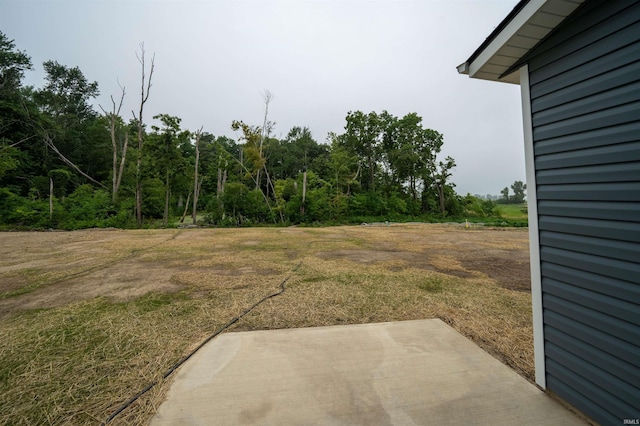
point(526, 25)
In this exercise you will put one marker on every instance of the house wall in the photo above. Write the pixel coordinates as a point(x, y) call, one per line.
point(584, 82)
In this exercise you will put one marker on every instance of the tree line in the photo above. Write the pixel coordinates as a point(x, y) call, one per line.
point(63, 164)
point(519, 189)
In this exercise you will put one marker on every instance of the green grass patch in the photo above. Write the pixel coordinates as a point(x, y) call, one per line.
point(513, 211)
point(431, 285)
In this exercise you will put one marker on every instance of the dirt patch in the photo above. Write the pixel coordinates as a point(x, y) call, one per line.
point(510, 273)
point(126, 280)
point(366, 256)
point(469, 254)
point(52, 269)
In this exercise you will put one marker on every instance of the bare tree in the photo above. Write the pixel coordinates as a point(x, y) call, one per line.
point(144, 96)
point(50, 198)
point(222, 179)
point(112, 117)
point(186, 208)
point(304, 192)
point(442, 174)
point(266, 130)
point(196, 185)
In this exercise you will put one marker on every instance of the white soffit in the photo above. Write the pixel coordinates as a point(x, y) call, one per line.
point(534, 22)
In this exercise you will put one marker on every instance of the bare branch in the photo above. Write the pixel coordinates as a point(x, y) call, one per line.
point(196, 189)
point(113, 119)
point(124, 92)
point(18, 143)
point(122, 160)
point(153, 63)
point(49, 142)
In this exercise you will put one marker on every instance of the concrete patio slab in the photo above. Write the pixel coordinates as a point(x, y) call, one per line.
point(398, 373)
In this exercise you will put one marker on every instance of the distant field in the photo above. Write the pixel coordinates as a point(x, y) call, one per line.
point(513, 211)
point(89, 318)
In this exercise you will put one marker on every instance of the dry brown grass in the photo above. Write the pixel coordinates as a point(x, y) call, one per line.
point(76, 356)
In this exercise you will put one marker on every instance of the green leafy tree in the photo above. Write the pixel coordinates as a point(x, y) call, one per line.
point(411, 151)
point(441, 181)
point(166, 155)
point(15, 105)
point(344, 167)
point(363, 136)
point(505, 193)
point(251, 159)
point(294, 154)
point(519, 189)
point(13, 64)
point(8, 159)
point(67, 93)
point(68, 124)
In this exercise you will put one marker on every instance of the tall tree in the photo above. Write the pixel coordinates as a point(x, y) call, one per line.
point(67, 93)
point(13, 64)
point(363, 137)
point(251, 160)
point(166, 155)
point(267, 126)
point(441, 180)
point(196, 182)
point(519, 189)
point(145, 87)
point(344, 166)
point(119, 146)
point(505, 193)
point(411, 151)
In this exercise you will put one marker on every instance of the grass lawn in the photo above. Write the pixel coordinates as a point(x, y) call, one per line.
point(513, 211)
point(89, 318)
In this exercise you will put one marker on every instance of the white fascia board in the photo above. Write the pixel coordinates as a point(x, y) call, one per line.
point(534, 236)
point(509, 31)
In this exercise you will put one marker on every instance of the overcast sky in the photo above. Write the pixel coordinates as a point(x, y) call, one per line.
point(319, 59)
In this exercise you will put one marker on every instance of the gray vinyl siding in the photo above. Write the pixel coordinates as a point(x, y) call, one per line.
point(585, 103)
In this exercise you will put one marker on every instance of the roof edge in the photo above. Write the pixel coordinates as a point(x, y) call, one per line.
point(528, 24)
point(494, 34)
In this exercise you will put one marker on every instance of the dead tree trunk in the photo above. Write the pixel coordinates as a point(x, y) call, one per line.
point(304, 192)
point(50, 198)
point(265, 130)
point(222, 179)
point(167, 196)
point(144, 96)
point(112, 117)
point(186, 208)
point(123, 157)
point(441, 198)
point(195, 178)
